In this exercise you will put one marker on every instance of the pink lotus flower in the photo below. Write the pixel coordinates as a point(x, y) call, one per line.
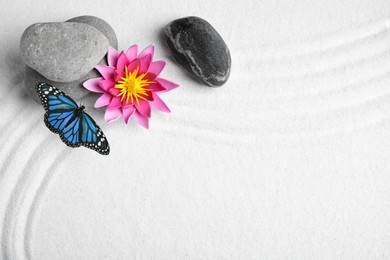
point(130, 85)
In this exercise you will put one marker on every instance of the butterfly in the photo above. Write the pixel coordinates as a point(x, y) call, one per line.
point(64, 117)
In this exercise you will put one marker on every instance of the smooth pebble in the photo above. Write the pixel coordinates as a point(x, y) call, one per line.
point(199, 48)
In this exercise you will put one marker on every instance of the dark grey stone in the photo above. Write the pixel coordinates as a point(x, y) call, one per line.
point(199, 48)
point(63, 52)
point(99, 24)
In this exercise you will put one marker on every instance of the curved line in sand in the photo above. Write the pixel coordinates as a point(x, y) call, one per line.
point(39, 194)
point(322, 43)
point(213, 134)
point(12, 225)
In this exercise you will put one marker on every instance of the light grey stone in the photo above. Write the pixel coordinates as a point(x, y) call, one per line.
point(63, 52)
point(199, 48)
point(73, 89)
point(99, 24)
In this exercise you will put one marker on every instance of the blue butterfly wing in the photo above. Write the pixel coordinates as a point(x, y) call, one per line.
point(66, 124)
point(60, 114)
point(63, 116)
point(53, 99)
point(92, 136)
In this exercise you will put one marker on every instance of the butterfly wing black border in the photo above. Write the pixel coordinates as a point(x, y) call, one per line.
point(101, 140)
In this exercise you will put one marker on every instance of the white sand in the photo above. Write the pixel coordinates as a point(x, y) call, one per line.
point(289, 160)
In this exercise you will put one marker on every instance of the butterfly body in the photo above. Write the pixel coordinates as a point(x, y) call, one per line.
point(64, 117)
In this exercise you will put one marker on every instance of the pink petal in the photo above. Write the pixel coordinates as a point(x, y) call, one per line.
point(168, 85)
point(127, 111)
point(112, 56)
point(106, 84)
point(143, 107)
point(143, 121)
point(133, 65)
point(148, 50)
point(115, 103)
point(118, 76)
point(112, 114)
point(156, 67)
point(106, 71)
point(132, 53)
point(150, 76)
point(144, 63)
point(159, 104)
point(103, 100)
point(156, 87)
point(93, 85)
point(122, 62)
point(114, 91)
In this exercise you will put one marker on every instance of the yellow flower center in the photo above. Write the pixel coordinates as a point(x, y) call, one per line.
point(132, 86)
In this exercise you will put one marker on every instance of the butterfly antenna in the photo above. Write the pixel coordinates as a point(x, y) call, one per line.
point(81, 102)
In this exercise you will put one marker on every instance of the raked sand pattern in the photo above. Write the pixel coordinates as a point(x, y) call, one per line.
point(274, 164)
